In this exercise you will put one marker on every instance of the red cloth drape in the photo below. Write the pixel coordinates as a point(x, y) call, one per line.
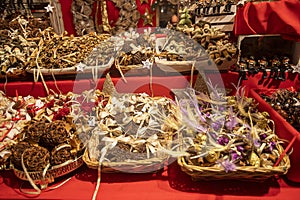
point(113, 14)
point(278, 17)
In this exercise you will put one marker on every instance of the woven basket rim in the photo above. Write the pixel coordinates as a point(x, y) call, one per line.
point(53, 172)
point(249, 170)
point(131, 163)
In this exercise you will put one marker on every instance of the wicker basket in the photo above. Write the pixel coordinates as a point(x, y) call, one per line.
point(132, 166)
point(54, 172)
point(174, 66)
point(101, 69)
point(242, 172)
point(186, 66)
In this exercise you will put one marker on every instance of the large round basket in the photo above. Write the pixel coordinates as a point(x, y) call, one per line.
point(133, 166)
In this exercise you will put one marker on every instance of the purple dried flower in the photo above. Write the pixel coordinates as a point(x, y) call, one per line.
point(240, 148)
point(207, 115)
point(272, 146)
point(234, 156)
point(221, 108)
point(263, 136)
point(232, 122)
point(228, 166)
point(256, 143)
point(216, 126)
point(223, 140)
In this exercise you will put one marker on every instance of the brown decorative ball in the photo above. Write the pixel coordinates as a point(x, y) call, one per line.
point(55, 134)
point(36, 158)
point(17, 152)
point(35, 130)
point(61, 154)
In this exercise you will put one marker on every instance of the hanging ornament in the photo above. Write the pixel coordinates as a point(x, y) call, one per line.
point(49, 8)
point(104, 27)
point(144, 1)
point(128, 15)
point(148, 18)
point(82, 18)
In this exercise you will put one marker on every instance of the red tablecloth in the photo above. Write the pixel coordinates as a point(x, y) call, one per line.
point(278, 17)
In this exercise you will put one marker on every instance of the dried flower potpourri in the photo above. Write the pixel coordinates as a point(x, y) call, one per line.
point(133, 128)
point(13, 116)
point(228, 137)
point(287, 103)
point(19, 36)
point(62, 51)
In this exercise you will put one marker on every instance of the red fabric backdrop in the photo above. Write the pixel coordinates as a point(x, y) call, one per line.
point(113, 14)
point(278, 17)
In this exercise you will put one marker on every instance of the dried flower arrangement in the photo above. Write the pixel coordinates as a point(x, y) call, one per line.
point(213, 40)
point(61, 51)
point(229, 138)
point(128, 15)
point(19, 36)
point(287, 103)
point(52, 135)
point(83, 21)
point(133, 131)
point(13, 116)
point(134, 48)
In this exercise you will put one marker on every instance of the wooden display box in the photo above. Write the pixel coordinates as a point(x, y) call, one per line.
point(284, 131)
point(268, 46)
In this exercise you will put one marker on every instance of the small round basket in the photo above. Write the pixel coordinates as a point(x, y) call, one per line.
point(53, 173)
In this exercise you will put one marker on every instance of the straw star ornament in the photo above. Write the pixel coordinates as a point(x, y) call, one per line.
point(147, 17)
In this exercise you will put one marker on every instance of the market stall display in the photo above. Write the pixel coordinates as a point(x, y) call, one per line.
point(157, 127)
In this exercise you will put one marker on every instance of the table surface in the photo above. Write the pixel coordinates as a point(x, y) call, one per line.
point(170, 183)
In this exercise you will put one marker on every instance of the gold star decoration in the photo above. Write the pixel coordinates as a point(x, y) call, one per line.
point(144, 1)
point(147, 17)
